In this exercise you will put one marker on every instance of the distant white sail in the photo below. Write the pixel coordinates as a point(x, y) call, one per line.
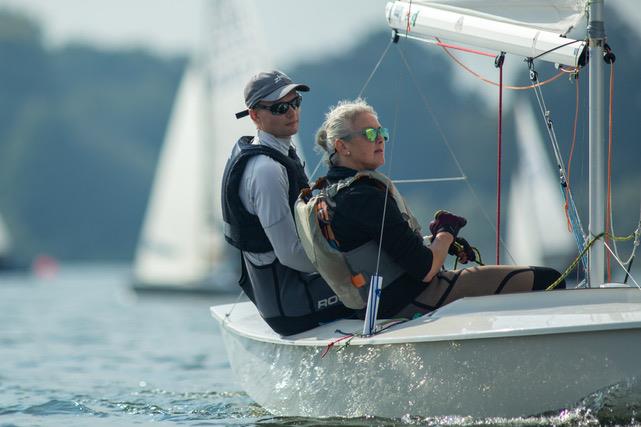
point(174, 246)
point(537, 232)
point(5, 239)
point(181, 243)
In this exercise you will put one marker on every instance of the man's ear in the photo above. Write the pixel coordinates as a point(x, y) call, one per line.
point(253, 114)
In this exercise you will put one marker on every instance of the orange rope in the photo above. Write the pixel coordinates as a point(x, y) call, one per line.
point(608, 208)
point(569, 168)
point(483, 79)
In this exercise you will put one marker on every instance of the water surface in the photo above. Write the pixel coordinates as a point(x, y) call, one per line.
point(81, 349)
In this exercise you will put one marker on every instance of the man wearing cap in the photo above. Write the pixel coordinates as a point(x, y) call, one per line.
point(262, 180)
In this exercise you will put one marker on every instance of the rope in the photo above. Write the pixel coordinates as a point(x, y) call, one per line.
point(349, 336)
point(574, 263)
point(571, 154)
point(478, 259)
point(608, 200)
point(463, 49)
point(579, 234)
point(556, 48)
point(485, 80)
point(585, 249)
point(441, 133)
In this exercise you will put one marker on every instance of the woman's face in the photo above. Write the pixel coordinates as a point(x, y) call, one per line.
point(364, 154)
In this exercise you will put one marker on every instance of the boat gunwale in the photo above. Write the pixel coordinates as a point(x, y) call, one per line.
point(392, 335)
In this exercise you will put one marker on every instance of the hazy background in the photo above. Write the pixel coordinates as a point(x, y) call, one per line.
point(87, 87)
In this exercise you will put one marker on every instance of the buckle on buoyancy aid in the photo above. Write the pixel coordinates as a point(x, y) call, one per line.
point(324, 213)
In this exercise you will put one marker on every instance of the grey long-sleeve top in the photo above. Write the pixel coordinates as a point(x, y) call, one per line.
point(264, 191)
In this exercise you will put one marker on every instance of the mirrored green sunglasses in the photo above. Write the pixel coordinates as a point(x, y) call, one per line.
point(372, 134)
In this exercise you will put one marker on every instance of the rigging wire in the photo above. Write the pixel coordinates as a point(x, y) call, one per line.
point(571, 154)
point(445, 140)
point(635, 246)
point(621, 264)
point(373, 287)
point(499, 64)
point(609, 226)
point(575, 220)
point(360, 94)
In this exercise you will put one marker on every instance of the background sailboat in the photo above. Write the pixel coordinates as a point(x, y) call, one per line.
point(5, 245)
point(536, 231)
point(181, 246)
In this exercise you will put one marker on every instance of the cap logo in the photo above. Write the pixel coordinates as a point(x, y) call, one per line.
point(278, 78)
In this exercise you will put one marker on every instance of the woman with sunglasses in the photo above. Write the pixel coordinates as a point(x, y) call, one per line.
point(365, 204)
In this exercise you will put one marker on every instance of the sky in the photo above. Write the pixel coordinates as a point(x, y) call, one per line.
point(294, 30)
point(292, 27)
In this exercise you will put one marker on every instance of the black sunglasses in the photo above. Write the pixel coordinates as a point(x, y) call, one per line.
point(280, 108)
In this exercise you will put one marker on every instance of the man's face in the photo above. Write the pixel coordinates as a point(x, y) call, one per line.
point(279, 125)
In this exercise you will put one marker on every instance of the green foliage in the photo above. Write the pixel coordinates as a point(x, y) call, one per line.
point(80, 131)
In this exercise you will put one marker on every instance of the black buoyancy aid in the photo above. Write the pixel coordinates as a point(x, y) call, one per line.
point(338, 268)
point(290, 301)
point(243, 229)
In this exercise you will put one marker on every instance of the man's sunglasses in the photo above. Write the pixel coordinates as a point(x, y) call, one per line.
point(372, 134)
point(280, 108)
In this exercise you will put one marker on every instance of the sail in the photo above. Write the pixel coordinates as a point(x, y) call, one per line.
point(5, 240)
point(533, 29)
point(181, 243)
point(557, 16)
point(536, 230)
point(173, 247)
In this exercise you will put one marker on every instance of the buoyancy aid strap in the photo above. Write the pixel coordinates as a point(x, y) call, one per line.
point(333, 189)
point(346, 273)
point(328, 260)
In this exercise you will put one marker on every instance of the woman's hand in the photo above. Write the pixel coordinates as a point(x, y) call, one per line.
point(440, 245)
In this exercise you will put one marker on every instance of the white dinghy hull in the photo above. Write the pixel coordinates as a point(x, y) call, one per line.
point(504, 355)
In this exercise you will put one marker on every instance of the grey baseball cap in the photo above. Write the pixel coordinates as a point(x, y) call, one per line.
point(268, 86)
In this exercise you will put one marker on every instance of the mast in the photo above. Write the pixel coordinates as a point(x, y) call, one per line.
point(596, 35)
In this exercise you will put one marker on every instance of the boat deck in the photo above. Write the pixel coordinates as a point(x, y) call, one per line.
point(495, 316)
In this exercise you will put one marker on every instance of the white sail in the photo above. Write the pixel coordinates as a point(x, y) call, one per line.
point(181, 243)
point(536, 232)
point(173, 247)
point(526, 29)
point(5, 240)
point(557, 16)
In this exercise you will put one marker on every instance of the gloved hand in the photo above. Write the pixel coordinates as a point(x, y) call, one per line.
point(461, 249)
point(448, 222)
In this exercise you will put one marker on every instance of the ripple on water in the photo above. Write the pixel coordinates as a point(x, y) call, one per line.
point(58, 407)
point(164, 405)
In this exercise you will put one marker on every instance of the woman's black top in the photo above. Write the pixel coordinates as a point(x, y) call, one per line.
point(357, 220)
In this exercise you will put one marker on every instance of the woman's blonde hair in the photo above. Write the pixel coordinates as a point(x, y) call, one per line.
point(338, 124)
